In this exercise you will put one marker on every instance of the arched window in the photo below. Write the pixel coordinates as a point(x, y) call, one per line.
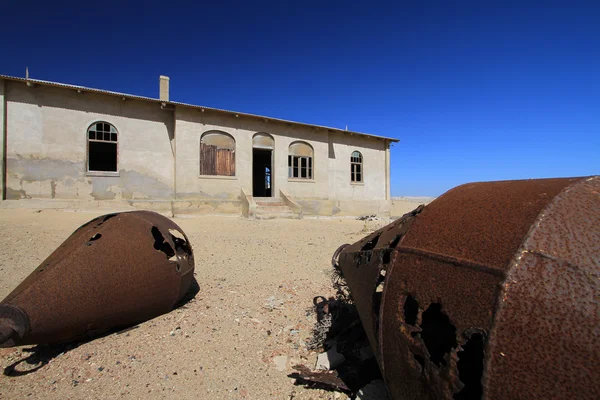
point(102, 147)
point(356, 170)
point(217, 154)
point(263, 141)
point(300, 161)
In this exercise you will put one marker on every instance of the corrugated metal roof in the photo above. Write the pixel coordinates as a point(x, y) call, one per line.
point(175, 103)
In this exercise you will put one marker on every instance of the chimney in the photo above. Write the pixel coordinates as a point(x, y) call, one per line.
point(164, 88)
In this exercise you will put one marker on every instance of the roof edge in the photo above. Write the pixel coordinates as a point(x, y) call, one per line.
point(176, 103)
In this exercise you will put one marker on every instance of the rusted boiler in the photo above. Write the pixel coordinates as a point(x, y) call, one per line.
point(491, 291)
point(115, 271)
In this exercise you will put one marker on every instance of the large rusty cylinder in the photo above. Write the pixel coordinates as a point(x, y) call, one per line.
point(491, 291)
point(115, 271)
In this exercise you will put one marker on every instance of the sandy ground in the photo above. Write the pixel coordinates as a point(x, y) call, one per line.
point(226, 343)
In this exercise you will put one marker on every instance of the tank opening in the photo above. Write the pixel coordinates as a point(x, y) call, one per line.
point(438, 333)
point(160, 244)
point(370, 245)
point(411, 310)
point(470, 368)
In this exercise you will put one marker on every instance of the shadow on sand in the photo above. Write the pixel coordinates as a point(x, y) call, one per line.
point(43, 354)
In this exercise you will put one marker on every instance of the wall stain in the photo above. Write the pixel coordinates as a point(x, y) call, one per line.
point(12, 194)
point(42, 169)
point(131, 185)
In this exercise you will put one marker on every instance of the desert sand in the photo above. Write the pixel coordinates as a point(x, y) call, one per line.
point(237, 339)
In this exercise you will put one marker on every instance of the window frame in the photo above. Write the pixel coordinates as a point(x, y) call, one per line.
point(357, 168)
point(93, 125)
point(234, 150)
point(295, 162)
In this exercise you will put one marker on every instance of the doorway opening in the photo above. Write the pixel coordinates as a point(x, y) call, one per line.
point(262, 184)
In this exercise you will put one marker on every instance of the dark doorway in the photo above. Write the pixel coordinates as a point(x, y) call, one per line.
point(262, 185)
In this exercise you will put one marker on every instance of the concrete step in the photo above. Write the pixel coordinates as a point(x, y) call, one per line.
point(267, 199)
point(270, 204)
point(274, 209)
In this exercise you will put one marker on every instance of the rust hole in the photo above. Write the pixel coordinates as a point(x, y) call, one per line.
point(109, 216)
point(377, 295)
point(160, 244)
point(395, 241)
point(420, 360)
point(95, 237)
point(470, 368)
point(411, 310)
point(438, 334)
point(370, 245)
point(386, 256)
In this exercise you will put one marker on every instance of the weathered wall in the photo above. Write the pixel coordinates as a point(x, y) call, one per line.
point(331, 163)
point(159, 155)
point(46, 147)
point(341, 187)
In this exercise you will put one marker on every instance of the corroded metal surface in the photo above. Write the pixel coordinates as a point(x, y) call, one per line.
point(490, 291)
point(114, 271)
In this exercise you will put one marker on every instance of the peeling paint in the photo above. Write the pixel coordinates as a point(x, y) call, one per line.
point(41, 169)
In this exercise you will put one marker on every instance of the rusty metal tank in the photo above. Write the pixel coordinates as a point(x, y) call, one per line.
point(114, 271)
point(491, 291)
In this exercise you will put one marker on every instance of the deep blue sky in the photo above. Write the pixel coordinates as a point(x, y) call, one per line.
point(474, 91)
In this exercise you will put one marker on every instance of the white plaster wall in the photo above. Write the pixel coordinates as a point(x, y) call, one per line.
point(373, 151)
point(47, 145)
point(331, 170)
point(190, 126)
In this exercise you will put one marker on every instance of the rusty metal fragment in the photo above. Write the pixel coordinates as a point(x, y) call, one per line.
point(491, 291)
point(114, 271)
point(324, 379)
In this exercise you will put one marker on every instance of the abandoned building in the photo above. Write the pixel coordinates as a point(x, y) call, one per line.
point(73, 146)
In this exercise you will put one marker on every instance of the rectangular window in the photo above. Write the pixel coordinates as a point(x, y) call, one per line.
point(102, 156)
point(356, 172)
point(300, 167)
